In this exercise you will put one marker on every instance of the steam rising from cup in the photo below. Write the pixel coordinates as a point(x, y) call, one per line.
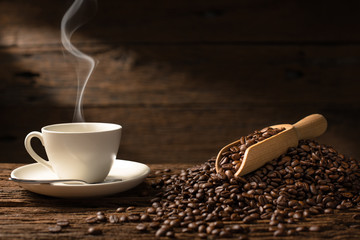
point(77, 15)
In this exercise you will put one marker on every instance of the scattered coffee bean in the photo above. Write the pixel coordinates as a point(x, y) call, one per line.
point(94, 231)
point(273, 222)
point(281, 226)
point(130, 208)
point(141, 227)
point(237, 228)
point(154, 225)
point(158, 172)
point(91, 220)
point(161, 232)
point(120, 209)
point(202, 235)
point(329, 211)
point(297, 215)
point(134, 217)
point(314, 229)
point(243, 237)
point(145, 217)
point(123, 218)
point(62, 222)
point(114, 219)
point(279, 232)
point(291, 232)
point(55, 229)
point(151, 210)
point(101, 218)
point(170, 234)
point(301, 229)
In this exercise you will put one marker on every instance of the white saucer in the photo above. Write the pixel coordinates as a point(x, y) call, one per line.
point(131, 173)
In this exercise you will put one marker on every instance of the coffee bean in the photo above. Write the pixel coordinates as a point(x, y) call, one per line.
point(62, 222)
point(281, 226)
point(141, 227)
point(134, 217)
point(305, 148)
point(151, 210)
point(101, 218)
point(123, 218)
point(272, 229)
point(120, 209)
point(161, 232)
point(356, 216)
point(274, 222)
point(290, 220)
point(297, 215)
point(314, 228)
point(225, 234)
point(291, 232)
point(202, 235)
point(145, 217)
point(192, 226)
point(94, 231)
point(100, 213)
point(279, 232)
point(130, 208)
point(301, 229)
point(227, 166)
point(243, 237)
point(91, 220)
point(114, 219)
point(55, 229)
point(209, 229)
point(154, 225)
point(202, 228)
point(248, 219)
point(329, 211)
point(237, 228)
point(170, 234)
point(215, 231)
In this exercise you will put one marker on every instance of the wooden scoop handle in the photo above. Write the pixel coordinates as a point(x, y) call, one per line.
point(311, 126)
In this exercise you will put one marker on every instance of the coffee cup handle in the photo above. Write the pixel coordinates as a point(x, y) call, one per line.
point(31, 151)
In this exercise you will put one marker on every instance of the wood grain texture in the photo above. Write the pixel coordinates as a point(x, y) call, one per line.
point(183, 78)
point(25, 215)
point(186, 22)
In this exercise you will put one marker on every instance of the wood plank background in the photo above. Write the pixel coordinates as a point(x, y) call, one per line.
point(184, 78)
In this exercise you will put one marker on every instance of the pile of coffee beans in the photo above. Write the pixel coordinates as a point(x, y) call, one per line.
point(231, 160)
point(307, 180)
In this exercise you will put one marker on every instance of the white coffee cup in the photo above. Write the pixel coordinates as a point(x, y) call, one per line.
point(84, 151)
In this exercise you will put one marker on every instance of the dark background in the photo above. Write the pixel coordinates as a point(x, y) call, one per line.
point(183, 78)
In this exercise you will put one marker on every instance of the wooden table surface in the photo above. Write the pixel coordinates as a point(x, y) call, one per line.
point(25, 215)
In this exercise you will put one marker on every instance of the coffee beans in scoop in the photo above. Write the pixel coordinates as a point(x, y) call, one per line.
point(231, 160)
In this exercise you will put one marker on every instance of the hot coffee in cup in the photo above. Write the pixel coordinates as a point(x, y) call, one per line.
point(84, 151)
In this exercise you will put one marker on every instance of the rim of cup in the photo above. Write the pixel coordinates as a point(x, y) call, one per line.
point(68, 128)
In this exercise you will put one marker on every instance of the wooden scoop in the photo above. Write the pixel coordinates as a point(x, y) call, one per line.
point(262, 152)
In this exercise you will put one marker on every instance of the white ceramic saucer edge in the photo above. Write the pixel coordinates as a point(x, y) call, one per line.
point(132, 173)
